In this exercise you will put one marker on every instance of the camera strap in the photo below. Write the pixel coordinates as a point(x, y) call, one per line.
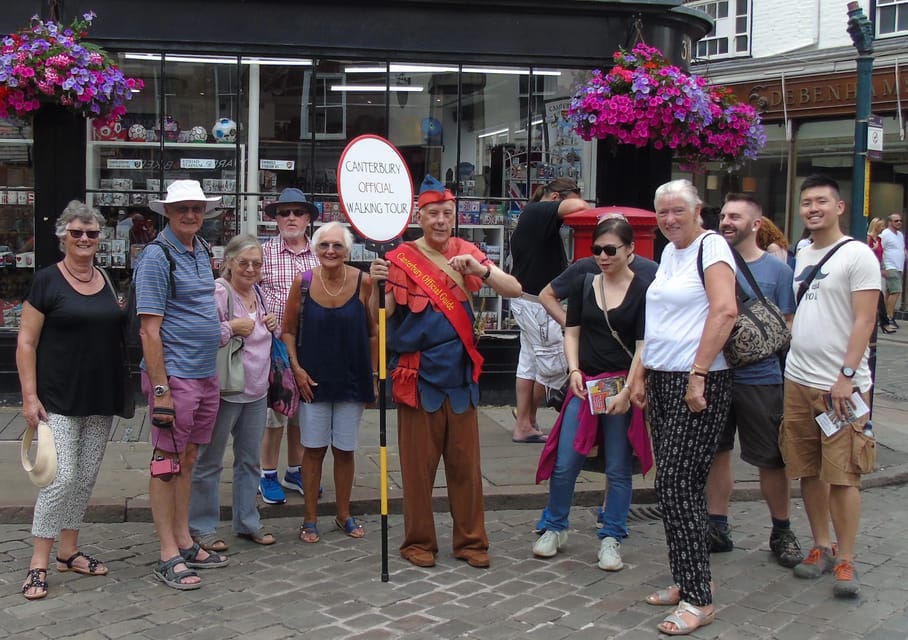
point(154, 444)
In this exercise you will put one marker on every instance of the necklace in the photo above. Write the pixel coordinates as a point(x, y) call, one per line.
point(90, 278)
point(325, 285)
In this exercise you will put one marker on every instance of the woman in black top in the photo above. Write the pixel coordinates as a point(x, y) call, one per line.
point(71, 369)
point(597, 347)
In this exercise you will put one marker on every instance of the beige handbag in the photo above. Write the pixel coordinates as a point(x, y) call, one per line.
point(44, 469)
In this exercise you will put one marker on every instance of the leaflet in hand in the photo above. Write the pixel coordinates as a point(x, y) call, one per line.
point(602, 392)
point(830, 423)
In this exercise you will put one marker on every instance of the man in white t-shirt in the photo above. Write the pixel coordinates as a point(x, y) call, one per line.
point(834, 318)
point(894, 253)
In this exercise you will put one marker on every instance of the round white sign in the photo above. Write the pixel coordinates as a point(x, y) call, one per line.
point(375, 188)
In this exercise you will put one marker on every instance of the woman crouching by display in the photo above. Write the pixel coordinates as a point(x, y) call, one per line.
point(71, 367)
point(241, 415)
point(687, 390)
point(605, 320)
point(332, 339)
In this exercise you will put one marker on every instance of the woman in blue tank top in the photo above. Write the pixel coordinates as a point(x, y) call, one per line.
point(332, 339)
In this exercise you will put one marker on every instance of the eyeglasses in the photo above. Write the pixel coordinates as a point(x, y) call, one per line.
point(245, 264)
point(299, 213)
point(78, 233)
point(609, 249)
point(337, 246)
point(185, 208)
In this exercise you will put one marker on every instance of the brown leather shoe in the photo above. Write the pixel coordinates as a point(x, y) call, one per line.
point(477, 559)
point(419, 557)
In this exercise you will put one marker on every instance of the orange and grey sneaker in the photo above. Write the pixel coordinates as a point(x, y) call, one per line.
point(847, 584)
point(820, 560)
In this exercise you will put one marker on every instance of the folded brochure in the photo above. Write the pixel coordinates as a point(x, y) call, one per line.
point(830, 423)
point(601, 392)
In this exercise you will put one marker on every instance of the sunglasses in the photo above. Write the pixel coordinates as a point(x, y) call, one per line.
point(78, 233)
point(337, 246)
point(609, 249)
point(299, 213)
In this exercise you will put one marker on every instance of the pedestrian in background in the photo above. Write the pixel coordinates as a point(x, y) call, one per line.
point(687, 389)
point(71, 367)
point(894, 253)
point(240, 415)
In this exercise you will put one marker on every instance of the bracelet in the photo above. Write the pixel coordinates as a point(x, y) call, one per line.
point(698, 369)
point(375, 374)
point(487, 274)
point(694, 372)
point(573, 371)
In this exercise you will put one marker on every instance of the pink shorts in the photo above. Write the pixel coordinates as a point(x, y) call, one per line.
point(195, 402)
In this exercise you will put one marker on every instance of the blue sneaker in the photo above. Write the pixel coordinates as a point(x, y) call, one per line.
point(271, 490)
point(293, 480)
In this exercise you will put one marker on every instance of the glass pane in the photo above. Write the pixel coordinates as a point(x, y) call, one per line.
point(741, 44)
point(723, 9)
point(886, 20)
point(17, 218)
point(741, 25)
point(741, 8)
point(902, 18)
point(723, 45)
point(702, 49)
point(711, 10)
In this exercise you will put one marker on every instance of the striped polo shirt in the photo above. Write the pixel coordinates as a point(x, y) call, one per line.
point(190, 330)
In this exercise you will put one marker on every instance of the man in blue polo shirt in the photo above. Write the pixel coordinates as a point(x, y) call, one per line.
point(756, 409)
point(180, 336)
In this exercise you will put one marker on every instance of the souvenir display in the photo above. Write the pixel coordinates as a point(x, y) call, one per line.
point(224, 130)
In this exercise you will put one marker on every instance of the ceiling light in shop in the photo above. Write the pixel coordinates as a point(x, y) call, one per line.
point(375, 87)
point(420, 68)
point(494, 133)
point(156, 57)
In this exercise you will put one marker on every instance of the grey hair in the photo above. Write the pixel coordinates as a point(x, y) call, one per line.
point(237, 245)
point(682, 188)
point(330, 226)
point(77, 210)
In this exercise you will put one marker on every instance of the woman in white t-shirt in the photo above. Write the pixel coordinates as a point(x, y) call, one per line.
point(690, 311)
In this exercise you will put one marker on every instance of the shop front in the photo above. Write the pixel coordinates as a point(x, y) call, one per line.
point(249, 98)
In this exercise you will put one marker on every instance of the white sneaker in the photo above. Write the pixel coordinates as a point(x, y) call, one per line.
point(549, 543)
point(609, 558)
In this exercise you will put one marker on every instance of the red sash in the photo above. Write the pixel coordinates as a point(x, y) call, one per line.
point(432, 281)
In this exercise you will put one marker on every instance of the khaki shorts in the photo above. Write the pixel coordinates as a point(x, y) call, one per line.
point(807, 451)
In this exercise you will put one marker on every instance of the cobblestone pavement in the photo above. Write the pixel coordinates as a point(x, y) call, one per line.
point(332, 589)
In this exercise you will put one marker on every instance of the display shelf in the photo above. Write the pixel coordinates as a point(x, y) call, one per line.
point(17, 228)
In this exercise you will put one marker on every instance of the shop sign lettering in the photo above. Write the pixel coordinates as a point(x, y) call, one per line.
point(123, 163)
point(198, 163)
point(277, 165)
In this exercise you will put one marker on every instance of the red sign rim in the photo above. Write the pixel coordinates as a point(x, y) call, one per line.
point(340, 194)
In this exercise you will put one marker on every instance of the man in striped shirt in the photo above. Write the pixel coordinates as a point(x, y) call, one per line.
point(284, 257)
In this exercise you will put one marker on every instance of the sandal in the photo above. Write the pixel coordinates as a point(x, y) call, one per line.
point(670, 596)
point(33, 581)
point(309, 533)
point(351, 527)
point(95, 567)
point(264, 539)
point(211, 542)
point(164, 571)
point(213, 561)
point(682, 627)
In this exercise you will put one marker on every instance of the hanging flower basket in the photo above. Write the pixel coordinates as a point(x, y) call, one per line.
point(643, 100)
point(49, 63)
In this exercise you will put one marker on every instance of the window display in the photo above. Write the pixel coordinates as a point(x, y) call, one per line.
point(17, 219)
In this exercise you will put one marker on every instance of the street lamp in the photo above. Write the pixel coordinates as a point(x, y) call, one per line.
point(861, 32)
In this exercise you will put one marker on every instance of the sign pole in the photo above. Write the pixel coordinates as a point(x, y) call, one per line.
point(375, 190)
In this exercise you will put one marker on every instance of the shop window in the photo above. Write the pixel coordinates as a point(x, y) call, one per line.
point(891, 17)
point(17, 219)
point(730, 35)
point(324, 114)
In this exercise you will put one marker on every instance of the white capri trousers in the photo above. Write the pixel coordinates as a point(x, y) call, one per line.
point(334, 423)
point(80, 443)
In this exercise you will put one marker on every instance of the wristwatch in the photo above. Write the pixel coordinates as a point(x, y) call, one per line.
point(486, 275)
point(848, 372)
point(160, 390)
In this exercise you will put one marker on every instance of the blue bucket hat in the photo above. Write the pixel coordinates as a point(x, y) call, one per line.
point(292, 195)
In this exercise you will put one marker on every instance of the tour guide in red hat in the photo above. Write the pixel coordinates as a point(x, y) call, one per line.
point(435, 370)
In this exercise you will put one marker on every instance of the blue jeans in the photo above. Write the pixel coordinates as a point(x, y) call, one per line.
point(568, 464)
point(246, 422)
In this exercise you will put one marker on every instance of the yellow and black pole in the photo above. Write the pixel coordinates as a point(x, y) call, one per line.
point(383, 427)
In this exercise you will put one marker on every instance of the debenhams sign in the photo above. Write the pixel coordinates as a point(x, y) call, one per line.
point(821, 95)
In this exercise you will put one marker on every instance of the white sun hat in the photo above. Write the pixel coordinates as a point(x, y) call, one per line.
point(44, 469)
point(186, 191)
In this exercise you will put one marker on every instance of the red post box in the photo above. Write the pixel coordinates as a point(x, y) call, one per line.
point(584, 222)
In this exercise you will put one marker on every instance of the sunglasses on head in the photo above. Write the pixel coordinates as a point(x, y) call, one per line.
point(78, 233)
point(299, 213)
point(609, 249)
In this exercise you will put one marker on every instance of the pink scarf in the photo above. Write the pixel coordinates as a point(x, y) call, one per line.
point(588, 434)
